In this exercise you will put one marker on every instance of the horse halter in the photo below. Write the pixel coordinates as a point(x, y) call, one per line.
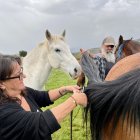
point(120, 48)
point(119, 53)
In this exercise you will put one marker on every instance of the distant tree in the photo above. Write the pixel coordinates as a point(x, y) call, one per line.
point(22, 53)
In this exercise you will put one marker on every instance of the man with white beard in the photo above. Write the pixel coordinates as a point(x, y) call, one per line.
point(106, 59)
point(108, 49)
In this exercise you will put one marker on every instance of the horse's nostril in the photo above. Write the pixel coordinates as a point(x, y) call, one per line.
point(75, 70)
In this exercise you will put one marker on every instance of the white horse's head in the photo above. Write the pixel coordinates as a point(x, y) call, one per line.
point(59, 55)
point(52, 53)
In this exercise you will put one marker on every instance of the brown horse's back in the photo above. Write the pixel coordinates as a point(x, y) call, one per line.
point(123, 132)
point(123, 66)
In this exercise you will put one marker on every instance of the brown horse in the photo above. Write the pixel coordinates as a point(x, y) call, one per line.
point(126, 64)
point(126, 48)
point(115, 103)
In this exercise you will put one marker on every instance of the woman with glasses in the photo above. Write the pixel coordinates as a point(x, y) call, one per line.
point(20, 115)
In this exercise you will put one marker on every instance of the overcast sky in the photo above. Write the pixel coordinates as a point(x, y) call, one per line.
point(23, 22)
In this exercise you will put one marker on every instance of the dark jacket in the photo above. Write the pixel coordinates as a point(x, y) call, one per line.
point(18, 124)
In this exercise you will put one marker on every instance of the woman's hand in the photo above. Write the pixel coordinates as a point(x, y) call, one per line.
point(65, 89)
point(77, 98)
point(80, 98)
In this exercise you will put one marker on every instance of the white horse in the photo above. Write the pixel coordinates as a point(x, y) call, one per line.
point(52, 53)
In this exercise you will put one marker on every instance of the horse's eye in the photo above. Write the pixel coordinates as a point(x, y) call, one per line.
point(57, 50)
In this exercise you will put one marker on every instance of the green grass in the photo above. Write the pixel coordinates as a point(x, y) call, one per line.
point(57, 79)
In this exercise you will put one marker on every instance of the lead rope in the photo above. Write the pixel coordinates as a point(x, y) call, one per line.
point(82, 90)
point(71, 114)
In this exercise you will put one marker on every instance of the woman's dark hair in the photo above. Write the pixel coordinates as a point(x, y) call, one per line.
point(6, 69)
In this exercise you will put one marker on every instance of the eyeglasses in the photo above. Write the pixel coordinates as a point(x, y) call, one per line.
point(111, 46)
point(20, 76)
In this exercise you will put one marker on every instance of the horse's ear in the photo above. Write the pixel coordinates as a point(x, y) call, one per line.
point(48, 35)
point(120, 39)
point(64, 33)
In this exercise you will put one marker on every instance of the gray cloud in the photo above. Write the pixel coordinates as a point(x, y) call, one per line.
point(87, 22)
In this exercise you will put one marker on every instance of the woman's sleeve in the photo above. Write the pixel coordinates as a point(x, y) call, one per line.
point(41, 97)
point(17, 124)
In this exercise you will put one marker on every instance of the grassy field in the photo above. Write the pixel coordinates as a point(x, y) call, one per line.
point(57, 79)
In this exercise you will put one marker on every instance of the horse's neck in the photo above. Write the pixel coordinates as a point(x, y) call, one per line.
point(36, 67)
point(132, 48)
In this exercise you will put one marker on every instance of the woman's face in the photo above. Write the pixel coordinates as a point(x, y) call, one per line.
point(14, 83)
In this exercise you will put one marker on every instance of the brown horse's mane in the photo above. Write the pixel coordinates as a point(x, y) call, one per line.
point(137, 43)
point(114, 105)
point(110, 101)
